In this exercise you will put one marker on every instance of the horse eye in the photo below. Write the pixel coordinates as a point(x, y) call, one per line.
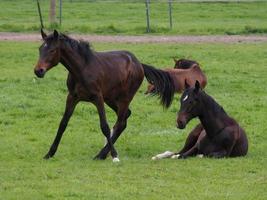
point(52, 50)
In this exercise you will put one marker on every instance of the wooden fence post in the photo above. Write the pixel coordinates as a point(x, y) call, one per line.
point(147, 17)
point(170, 13)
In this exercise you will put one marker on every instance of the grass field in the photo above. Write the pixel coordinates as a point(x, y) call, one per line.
point(31, 110)
point(124, 17)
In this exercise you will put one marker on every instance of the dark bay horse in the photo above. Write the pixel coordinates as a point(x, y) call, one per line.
point(182, 76)
point(184, 63)
point(99, 77)
point(218, 135)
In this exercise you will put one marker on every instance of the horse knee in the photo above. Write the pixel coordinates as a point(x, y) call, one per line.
point(123, 124)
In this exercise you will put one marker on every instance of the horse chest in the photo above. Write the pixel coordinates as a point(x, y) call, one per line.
point(83, 94)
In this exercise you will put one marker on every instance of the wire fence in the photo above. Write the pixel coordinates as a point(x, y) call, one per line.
point(164, 1)
point(165, 14)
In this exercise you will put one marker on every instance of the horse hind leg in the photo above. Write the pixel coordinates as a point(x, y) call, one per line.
point(99, 102)
point(122, 115)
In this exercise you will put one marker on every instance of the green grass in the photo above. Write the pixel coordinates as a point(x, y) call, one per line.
point(31, 110)
point(126, 17)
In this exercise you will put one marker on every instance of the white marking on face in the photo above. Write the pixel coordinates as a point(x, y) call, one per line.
point(186, 97)
point(45, 45)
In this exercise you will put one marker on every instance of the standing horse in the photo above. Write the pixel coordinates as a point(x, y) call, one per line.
point(99, 77)
point(217, 136)
point(182, 76)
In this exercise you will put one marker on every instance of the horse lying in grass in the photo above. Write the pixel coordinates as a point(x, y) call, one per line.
point(99, 77)
point(184, 63)
point(180, 76)
point(217, 136)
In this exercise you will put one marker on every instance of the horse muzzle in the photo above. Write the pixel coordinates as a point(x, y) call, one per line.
point(181, 121)
point(39, 72)
point(180, 124)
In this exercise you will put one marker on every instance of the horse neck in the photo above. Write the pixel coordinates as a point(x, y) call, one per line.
point(212, 115)
point(72, 61)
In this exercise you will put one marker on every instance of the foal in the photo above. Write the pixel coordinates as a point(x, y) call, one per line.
point(217, 136)
point(99, 77)
point(182, 76)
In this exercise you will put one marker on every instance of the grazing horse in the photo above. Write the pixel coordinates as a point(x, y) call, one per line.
point(184, 63)
point(99, 77)
point(182, 76)
point(218, 135)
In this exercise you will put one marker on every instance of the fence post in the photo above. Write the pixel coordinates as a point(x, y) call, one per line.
point(40, 14)
point(170, 13)
point(147, 17)
point(52, 12)
point(60, 12)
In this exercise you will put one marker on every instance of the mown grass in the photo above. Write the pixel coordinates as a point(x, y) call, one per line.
point(31, 110)
point(128, 17)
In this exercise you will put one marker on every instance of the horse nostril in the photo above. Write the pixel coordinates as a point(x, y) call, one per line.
point(40, 72)
point(180, 124)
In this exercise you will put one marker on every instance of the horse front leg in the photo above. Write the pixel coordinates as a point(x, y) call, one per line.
point(71, 102)
point(192, 139)
point(99, 103)
point(191, 152)
point(189, 143)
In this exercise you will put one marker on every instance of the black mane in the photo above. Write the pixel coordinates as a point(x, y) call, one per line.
point(81, 47)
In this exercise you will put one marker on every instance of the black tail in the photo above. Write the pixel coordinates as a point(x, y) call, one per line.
point(163, 83)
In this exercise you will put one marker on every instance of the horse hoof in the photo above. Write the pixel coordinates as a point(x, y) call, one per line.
point(200, 155)
point(115, 160)
point(154, 158)
point(47, 156)
point(100, 157)
point(175, 156)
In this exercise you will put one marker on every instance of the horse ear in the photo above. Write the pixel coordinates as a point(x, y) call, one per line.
point(56, 34)
point(43, 34)
point(186, 85)
point(197, 86)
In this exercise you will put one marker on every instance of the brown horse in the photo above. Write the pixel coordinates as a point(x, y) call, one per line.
point(97, 77)
point(218, 135)
point(180, 76)
point(184, 63)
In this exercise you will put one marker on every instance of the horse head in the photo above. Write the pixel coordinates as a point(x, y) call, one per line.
point(49, 53)
point(190, 105)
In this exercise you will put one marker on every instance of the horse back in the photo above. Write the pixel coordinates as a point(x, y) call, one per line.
point(190, 75)
point(196, 74)
point(110, 73)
